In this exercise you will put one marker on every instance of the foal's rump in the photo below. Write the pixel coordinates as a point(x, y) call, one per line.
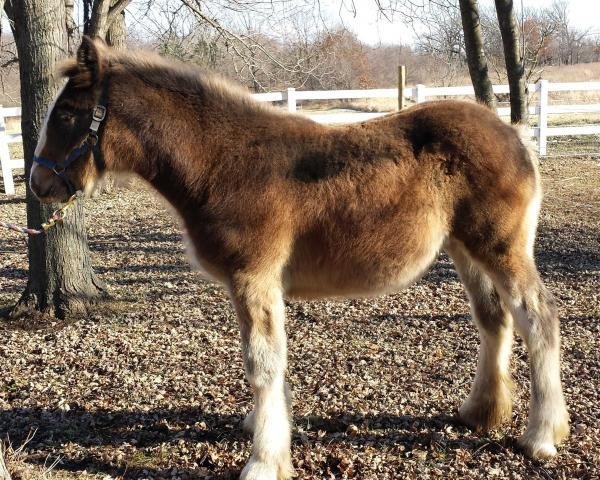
point(437, 170)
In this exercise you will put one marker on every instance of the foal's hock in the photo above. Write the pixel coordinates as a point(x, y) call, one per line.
point(276, 205)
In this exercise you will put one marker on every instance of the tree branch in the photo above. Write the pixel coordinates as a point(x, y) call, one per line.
point(116, 9)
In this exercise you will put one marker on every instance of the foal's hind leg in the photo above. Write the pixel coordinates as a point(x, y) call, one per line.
point(536, 320)
point(489, 402)
point(259, 304)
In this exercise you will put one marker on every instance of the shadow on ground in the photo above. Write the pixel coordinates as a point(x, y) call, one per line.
point(54, 429)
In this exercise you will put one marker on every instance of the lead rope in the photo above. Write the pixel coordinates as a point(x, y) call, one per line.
point(55, 218)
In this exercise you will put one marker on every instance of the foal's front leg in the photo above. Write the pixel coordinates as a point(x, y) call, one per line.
point(261, 315)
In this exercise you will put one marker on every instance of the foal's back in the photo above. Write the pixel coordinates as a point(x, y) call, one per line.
point(378, 200)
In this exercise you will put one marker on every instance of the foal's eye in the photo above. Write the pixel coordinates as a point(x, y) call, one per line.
point(65, 116)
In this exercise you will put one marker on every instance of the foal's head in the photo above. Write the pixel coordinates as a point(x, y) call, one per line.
point(68, 155)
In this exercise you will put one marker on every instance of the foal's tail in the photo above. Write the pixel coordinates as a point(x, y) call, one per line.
point(533, 209)
point(530, 146)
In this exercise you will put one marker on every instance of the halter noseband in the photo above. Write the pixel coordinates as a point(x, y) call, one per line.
point(91, 143)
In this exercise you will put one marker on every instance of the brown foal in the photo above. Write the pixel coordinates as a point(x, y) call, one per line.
point(277, 205)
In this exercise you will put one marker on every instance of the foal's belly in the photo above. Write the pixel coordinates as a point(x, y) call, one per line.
point(361, 265)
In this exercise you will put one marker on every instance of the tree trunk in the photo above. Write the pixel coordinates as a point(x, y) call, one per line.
point(476, 60)
point(71, 26)
point(115, 37)
point(104, 14)
point(117, 33)
point(99, 22)
point(515, 68)
point(61, 281)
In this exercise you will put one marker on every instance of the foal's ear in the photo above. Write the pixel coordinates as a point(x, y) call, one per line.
point(91, 62)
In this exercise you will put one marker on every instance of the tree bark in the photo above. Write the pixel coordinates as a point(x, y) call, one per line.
point(117, 32)
point(99, 22)
point(104, 14)
point(61, 280)
point(115, 37)
point(515, 68)
point(478, 68)
point(71, 26)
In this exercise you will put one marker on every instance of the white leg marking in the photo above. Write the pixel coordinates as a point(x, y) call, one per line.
point(548, 417)
point(262, 317)
point(489, 402)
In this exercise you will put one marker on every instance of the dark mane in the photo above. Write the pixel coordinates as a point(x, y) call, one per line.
point(179, 77)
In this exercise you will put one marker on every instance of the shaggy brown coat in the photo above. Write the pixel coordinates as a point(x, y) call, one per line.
point(277, 205)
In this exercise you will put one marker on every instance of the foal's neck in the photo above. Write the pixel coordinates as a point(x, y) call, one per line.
point(177, 140)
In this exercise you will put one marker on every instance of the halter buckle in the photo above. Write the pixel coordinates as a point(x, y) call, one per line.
point(99, 113)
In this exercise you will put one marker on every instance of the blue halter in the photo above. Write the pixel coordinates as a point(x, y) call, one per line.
point(90, 144)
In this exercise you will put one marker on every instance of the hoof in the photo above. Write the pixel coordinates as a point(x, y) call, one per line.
point(540, 443)
point(535, 448)
point(248, 424)
point(257, 470)
point(485, 414)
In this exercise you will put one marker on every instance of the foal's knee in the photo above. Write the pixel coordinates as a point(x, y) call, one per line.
point(264, 361)
point(536, 318)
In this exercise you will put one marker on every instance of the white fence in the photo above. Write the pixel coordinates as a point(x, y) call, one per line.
point(419, 93)
point(9, 164)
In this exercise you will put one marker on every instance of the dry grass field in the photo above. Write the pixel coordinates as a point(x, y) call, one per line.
point(565, 73)
point(151, 385)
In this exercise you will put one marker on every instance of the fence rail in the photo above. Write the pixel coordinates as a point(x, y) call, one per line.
point(421, 93)
point(418, 94)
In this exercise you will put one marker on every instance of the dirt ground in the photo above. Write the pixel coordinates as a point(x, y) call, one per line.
point(151, 386)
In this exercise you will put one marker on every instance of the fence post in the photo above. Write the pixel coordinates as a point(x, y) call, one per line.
point(291, 99)
point(401, 86)
point(420, 93)
point(9, 185)
point(542, 89)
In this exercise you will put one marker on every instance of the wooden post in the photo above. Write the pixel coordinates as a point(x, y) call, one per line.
point(5, 163)
point(401, 86)
point(291, 99)
point(542, 89)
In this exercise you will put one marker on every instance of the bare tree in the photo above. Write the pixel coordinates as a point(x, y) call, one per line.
point(514, 61)
point(536, 33)
point(437, 27)
point(117, 31)
point(61, 280)
point(102, 16)
point(71, 26)
point(569, 40)
point(478, 68)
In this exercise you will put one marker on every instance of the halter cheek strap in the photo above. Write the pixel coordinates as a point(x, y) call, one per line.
point(90, 144)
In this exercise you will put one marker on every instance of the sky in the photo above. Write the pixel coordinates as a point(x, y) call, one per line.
point(372, 29)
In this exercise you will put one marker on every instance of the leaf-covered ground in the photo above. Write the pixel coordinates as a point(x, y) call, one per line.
point(151, 386)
